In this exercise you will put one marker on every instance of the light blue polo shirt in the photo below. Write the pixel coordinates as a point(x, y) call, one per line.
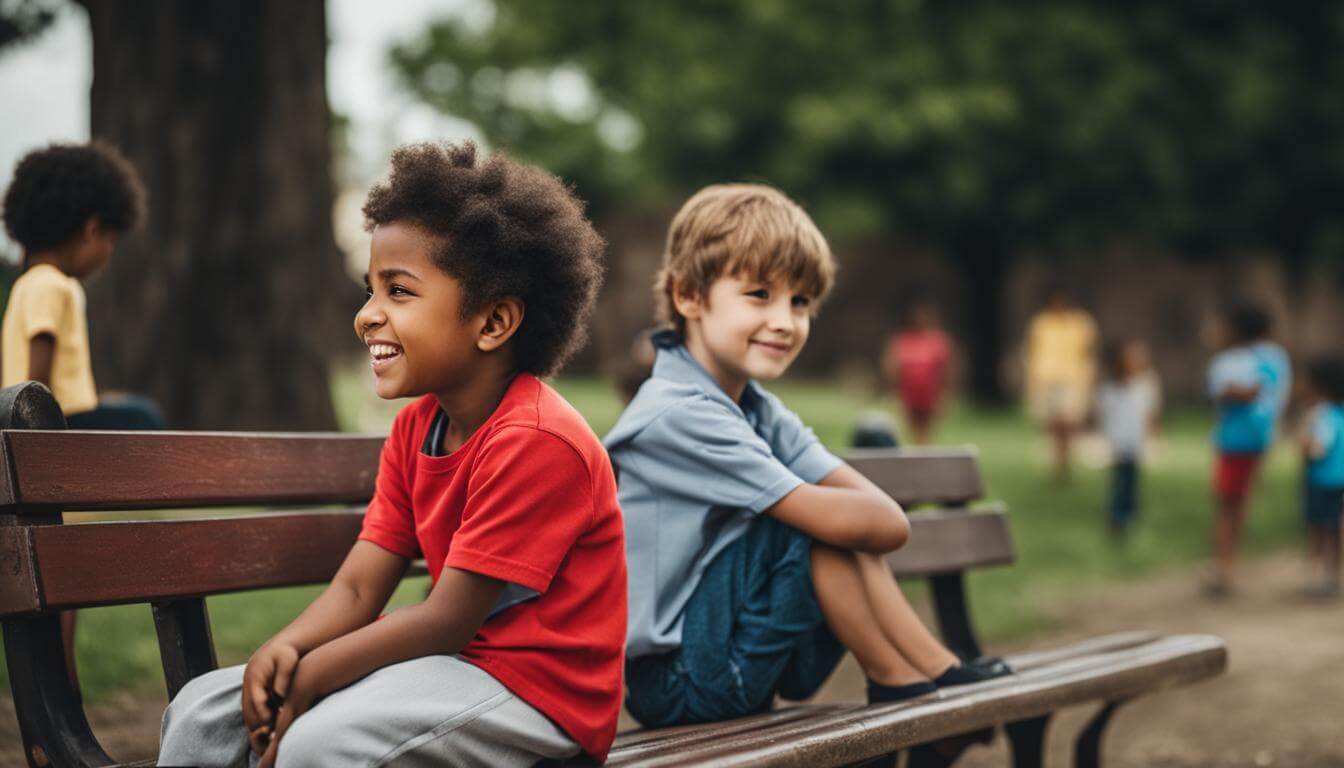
point(1327, 432)
point(695, 468)
point(1249, 427)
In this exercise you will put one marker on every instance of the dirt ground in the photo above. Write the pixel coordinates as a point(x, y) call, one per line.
point(1281, 702)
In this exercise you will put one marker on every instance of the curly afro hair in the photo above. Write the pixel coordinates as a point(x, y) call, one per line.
point(57, 189)
point(505, 229)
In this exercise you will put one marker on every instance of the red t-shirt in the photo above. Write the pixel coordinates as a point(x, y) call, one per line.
point(919, 359)
point(530, 499)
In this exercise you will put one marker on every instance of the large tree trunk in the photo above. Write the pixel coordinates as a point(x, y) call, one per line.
point(983, 264)
point(226, 306)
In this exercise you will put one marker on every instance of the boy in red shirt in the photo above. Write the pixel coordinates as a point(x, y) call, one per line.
point(481, 278)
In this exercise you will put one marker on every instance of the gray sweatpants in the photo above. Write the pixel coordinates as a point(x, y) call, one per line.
point(431, 711)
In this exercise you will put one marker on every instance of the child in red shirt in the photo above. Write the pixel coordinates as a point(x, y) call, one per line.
point(481, 278)
point(915, 365)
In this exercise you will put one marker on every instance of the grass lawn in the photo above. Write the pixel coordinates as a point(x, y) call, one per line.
point(1058, 527)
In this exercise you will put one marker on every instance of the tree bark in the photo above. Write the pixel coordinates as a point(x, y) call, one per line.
point(984, 267)
point(227, 304)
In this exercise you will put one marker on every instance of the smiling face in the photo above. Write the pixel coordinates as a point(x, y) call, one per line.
point(412, 322)
point(746, 329)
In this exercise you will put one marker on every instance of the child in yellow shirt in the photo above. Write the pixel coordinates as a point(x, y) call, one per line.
point(67, 206)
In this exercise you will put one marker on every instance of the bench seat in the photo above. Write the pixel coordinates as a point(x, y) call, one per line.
point(818, 736)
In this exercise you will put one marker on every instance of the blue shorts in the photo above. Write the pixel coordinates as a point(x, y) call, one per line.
point(752, 629)
point(1324, 506)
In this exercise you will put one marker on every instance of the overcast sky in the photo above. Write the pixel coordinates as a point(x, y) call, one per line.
point(44, 87)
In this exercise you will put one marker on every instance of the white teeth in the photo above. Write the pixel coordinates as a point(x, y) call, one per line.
point(381, 351)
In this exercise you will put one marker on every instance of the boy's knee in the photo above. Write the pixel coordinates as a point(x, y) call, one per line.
point(323, 736)
point(204, 718)
point(206, 693)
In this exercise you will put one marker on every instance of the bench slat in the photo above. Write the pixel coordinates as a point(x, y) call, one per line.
point(77, 470)
point(843, 735)
point(146, 561)
point(922, 475)
point(948, 541)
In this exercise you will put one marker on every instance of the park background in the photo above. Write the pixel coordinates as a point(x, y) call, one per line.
point(1156, 159)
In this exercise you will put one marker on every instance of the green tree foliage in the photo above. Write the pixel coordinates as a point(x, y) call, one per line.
point(982, 130)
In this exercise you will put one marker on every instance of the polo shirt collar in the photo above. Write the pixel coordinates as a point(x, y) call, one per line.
point(675, 363)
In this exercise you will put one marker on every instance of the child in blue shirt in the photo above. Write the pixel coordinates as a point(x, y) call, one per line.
point(1323, 448)
point(754, 554)
point(1249, 382)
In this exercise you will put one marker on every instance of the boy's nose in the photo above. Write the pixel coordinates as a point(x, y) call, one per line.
point(366, 318)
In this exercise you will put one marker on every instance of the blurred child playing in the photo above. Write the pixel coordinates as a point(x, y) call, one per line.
point(1323, 449)
point(1127, 405)
point(915, 366)
point(67, 206)
point(1249, 380)
point(482, 279)
point(754, 553)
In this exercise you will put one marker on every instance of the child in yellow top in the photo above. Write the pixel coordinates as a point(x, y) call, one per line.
point(67, 206)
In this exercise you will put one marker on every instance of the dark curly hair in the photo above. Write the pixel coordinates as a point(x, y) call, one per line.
point(57, 189)
point(505, 229)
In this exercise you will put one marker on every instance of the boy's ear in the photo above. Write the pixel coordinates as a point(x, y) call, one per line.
point(688, 305)
point(91, 229)
point(502, 320)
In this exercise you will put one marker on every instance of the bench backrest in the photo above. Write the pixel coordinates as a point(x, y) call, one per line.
point(48, 470)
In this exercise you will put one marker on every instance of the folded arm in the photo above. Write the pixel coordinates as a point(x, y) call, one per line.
point(845, 510)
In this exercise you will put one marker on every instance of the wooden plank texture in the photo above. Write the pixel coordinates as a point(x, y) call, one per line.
point(842, 735)
point(145, 561)
point(18, 585)
point(78, 470)
point(947, 541)
point(922, 475)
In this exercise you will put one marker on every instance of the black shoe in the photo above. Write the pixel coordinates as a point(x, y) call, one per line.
point(974, 671)
point(886, 694)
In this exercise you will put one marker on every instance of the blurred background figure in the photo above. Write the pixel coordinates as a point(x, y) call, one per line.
point(1323, 451)
point(1249, 381)
point(1128, 408)
point(1061, 371)
point(634, 369)
point(874, 429)
point(915, 365)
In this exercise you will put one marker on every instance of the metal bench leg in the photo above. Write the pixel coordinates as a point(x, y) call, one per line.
point(185, 644)
point(51, 716)
point(946, 751)
point(1087, 752)
point(1028, 738)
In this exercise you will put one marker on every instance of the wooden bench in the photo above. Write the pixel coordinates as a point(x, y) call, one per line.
point(47, 565)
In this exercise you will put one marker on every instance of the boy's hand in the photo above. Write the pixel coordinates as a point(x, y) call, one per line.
point(299, 700)
point(266, 681)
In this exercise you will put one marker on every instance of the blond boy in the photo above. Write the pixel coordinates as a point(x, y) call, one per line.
point(753, 552)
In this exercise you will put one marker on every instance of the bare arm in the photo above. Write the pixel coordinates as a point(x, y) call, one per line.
point(443, 624)
point(845, 510)
point(41, 352)
point(354, 598)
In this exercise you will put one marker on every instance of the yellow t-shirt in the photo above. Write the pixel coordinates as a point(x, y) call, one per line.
point(46, 300)
point(1060, 349)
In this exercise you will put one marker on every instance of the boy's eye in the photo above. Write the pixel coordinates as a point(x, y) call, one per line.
point(759, 293)
point(368, 292)
point(397, 290)
point(802, 301)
